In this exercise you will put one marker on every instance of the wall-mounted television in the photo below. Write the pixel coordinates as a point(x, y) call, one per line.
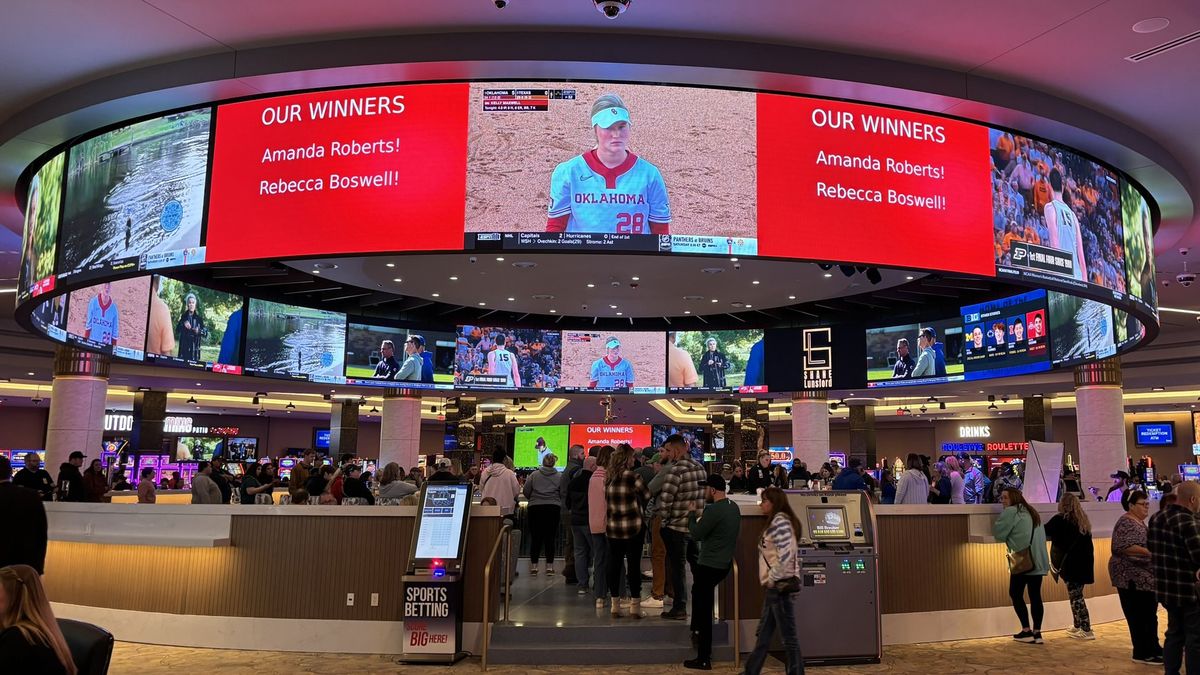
point(1154, 433)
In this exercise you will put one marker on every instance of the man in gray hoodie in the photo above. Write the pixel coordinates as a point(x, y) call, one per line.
point(574, 466)
point(543, 489)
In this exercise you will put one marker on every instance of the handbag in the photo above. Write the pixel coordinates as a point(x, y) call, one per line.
point(1021, 562)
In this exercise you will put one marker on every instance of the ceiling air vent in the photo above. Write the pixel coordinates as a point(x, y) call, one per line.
point(1164, 47)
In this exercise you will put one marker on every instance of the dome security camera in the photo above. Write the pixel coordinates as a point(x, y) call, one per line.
point(611, 9)
point(1186, 279)
point(501, 4)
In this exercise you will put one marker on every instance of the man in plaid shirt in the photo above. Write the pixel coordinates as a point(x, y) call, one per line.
point(1174, 543)
point(682, 491)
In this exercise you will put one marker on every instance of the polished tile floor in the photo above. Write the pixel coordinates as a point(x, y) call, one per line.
point(1060, 655)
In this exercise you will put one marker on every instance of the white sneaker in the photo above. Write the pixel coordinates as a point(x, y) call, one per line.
point(1085, 635)
point(550, 570)
point(1073, 632)
point(652, 603)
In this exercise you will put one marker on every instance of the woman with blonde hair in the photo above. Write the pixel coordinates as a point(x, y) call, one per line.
point(30, 639)
point(1072, 559)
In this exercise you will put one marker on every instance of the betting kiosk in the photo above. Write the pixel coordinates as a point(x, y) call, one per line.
point(839, 578)
point(433, 584)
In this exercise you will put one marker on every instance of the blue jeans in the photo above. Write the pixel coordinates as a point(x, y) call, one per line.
point(599, 565)
point(778, 612)
point(1182, 641)
point(583, 553)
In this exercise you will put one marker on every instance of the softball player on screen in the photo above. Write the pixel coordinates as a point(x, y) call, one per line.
point(608, 189)
point(611, 372)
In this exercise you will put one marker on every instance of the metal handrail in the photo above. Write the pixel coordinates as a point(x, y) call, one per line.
point(503, 535)
point(737, 623)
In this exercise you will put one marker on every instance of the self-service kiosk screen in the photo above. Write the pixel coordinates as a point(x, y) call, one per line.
point(827, 522)
point(442, 522)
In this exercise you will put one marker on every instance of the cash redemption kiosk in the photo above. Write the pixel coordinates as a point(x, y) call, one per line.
point(433, 583)
point(841, 619)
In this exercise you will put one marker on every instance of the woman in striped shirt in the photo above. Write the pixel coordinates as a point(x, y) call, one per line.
point(779, 573)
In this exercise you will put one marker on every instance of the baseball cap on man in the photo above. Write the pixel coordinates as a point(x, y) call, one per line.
point(715, 481)
point(444, 463)
point(612, 342)
point(76, 455)
point(608, 110)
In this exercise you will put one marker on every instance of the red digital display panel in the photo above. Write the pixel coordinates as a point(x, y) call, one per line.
point(587, 435)
point(859, 183)
point(332, 172)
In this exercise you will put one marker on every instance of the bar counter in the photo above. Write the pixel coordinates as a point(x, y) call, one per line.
point(276, 577)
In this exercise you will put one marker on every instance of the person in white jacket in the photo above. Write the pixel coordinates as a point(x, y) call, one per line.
point(914, 486)
point(500, 483)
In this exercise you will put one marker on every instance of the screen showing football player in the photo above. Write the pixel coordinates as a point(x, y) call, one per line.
point(608, 189)
point(611, 372)
point(103, 318)
point(388, 366)
point(503, 363)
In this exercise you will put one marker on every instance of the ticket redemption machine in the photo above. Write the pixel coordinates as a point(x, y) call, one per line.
point(839, 619)
point(433, 584)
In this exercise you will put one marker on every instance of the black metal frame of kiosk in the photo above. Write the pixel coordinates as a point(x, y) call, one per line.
point(839, 617)
point(433, 583)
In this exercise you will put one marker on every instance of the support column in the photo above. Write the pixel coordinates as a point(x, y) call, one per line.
point(343, 428)
point(1100, 416)
point(810, 428)
point(862, 430)
point(149, 413)
point(400, 428)
point(76, 405)
point(1038, 417)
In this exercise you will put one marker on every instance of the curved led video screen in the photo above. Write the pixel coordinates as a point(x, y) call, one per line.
point(584, 167)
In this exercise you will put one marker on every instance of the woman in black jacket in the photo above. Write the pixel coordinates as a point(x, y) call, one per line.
point(761, 475)
point(1072, 559)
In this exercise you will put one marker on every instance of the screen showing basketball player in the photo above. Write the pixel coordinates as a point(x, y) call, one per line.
point(490, 357)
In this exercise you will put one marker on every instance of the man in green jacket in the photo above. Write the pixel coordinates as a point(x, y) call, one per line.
point(716, 532)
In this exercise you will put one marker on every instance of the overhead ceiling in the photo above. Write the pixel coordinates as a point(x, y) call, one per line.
point(1073, 50)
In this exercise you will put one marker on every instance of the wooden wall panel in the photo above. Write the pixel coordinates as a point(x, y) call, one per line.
point(927, 564)
point(294, 567)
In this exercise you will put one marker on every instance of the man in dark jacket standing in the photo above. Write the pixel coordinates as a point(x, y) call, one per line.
point(574, 466)
point(221, 478)
point(70, 480)
point(35, 478)
point(851, 477)
point(24, 540)
point(716, 531)
point(577, 506)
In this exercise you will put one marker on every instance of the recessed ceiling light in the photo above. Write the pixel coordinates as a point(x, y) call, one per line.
point(437, 295)
point(199, 385)
point(828, 275)
point(453, 278)
point(397, 280)
point(512, 299)
point(591, 285)
point(733, 260)
point(483, 304)
point(755, 282)
point(612, 306)
point(391, 264)
point(316, 271)
point(636, 278)
point(554, 311)
point(714, 300)
point(499, 258)
point(1152, 25)
point(620, 314)
point(1159, 389)
point(748, 306)
point(687, 311)
point(791, 297)
point(909, 277)
point(30, 373)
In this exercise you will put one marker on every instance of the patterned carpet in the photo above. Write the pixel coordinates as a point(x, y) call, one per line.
point(1061, 655)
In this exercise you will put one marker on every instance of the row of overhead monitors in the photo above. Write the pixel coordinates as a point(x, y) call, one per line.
point(701, 171)
point(164, 321)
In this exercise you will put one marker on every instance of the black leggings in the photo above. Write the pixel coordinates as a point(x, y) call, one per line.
point(1017, 583)
point(543, 530)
